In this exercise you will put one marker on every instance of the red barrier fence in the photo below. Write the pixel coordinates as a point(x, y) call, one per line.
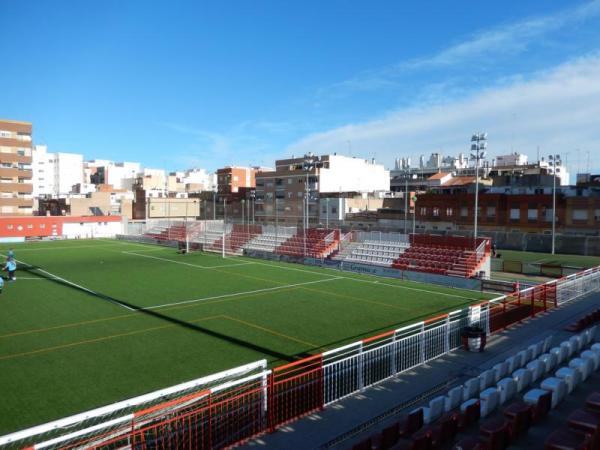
point(295, 390)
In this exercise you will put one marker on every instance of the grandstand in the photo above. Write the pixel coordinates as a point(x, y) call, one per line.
point(439, 255)
point(316, 243)
point(383, 253)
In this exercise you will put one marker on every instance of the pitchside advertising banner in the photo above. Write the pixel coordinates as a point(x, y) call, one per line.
point(422, 277)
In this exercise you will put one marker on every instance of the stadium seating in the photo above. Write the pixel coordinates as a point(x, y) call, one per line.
point(268, 242)
point(372, 252)
point(239, 236)
point(584, 322)
point(318, 243)
point(510, 384)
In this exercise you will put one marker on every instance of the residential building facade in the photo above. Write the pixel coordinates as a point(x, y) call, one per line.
point(16, 174)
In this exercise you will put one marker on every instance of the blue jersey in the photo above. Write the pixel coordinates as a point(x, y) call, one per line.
point(11, 254)
point(11, 265)
point(1, 282)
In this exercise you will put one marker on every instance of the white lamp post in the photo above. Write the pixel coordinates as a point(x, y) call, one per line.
point(478, 145)
point(554, 162)
point(309, 164)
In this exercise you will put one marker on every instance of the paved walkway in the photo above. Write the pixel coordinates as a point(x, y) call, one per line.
point(351, 419)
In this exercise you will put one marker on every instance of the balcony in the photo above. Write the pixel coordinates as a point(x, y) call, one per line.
point(8, 142)
point(13, 157)
point(16, 201)
point(24, 188)
point(14, 172)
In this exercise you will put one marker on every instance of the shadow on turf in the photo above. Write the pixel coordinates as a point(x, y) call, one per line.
point(152, 313)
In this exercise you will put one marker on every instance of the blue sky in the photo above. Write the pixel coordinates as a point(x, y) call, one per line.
point(179, 84)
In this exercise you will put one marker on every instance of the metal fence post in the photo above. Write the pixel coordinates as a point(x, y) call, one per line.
point(361, 374)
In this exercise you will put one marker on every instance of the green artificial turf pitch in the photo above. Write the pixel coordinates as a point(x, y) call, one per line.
point(73, 336)
point(547, 258)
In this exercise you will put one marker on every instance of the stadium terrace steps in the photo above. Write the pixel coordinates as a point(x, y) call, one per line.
point(236, 240)
point(374, 252)
point(165, 233)
point(267, 242)
point(346, 251)
point(319, 243)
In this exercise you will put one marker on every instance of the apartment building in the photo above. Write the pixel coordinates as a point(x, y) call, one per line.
point(233, 181)
point(282, 194)
point(55, 174)
point(577, 211)
point(15, 168)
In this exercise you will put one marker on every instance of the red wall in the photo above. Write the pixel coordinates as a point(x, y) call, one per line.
point(41, 226)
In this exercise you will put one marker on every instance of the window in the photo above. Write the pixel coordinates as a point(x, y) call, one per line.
point(580, 214)
point(300, 194)
point(436, 211)
point(597, 215)
point(289, 181)
point(491, 211)
point(333, 210)
point(515, 213)
point(532, 215)
point(324, 209)
point(423, 211)
point(464, 211)
point(449, 212)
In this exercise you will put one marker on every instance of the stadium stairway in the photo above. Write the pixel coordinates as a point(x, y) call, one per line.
point(353, 419)
point(319, 243)
point(235, 241)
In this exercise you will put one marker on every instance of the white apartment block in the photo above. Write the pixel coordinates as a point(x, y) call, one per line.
point(346, 174)
point(55, 174)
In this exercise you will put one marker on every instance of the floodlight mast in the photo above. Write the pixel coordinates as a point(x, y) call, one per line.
point(555, 162)
point(478, 145)
point(310, 163)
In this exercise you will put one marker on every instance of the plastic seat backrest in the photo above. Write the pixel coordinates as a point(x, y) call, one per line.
point(471, 389)
point(507, 388)
point(523, 378)
point(486, 379)
point(453, 398)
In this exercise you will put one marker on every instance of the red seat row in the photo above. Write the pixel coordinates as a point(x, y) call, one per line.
point(586, 321)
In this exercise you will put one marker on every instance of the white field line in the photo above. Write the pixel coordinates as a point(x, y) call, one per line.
point(39, 249)
point(198, 266)
point(237, 294)
point(360, 280)
point(78, 286)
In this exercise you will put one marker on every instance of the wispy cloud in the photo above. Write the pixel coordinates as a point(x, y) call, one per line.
point(556, 110)
point(480, 49)
point(251, 142)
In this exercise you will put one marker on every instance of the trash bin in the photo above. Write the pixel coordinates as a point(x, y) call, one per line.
point(473, 338)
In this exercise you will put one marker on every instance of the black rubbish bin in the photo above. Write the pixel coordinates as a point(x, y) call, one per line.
point(473, 338)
